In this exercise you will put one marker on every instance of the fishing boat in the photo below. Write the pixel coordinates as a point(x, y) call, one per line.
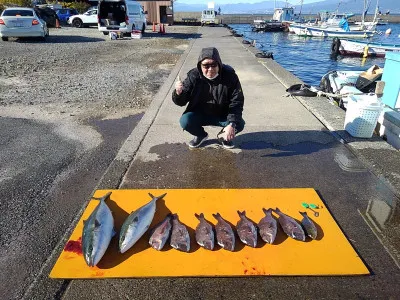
point(278, 22)
point(341, 85)
point(348, 47)
point(328, 31)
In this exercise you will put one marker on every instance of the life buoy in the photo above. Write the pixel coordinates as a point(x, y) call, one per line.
point(301, 90)
point(335, 46)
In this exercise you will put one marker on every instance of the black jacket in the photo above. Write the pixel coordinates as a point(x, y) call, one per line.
point(225, 89)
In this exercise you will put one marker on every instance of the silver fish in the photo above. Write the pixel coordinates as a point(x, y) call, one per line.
point(290, 226)
point(268, 227)
point(225, 235)
point(161, 233)
point(204, 233)
point(246, 230)
point(180, 238)
point(309, 226)
point(98, 230)
point(136, 224)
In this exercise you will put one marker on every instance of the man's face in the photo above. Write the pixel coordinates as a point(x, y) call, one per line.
point(209, 67)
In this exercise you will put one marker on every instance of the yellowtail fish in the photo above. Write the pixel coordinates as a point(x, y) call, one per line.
point(137, 223)
point(98, 230)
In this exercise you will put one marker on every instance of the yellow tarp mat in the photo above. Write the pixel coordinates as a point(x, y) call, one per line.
point(329, 254)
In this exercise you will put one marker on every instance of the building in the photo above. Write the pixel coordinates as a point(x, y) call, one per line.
point(159, 11)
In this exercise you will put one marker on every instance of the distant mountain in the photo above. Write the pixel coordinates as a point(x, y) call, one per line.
point(267, 7)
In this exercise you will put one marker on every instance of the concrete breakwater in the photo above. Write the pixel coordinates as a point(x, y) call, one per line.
point(180, 17)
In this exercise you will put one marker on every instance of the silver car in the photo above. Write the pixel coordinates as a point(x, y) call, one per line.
point(22, 22)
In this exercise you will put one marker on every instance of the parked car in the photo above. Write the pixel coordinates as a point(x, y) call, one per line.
point(122, 16)
point(22, 22)
point(86, 19)
point(48, 15)
point(64, 13)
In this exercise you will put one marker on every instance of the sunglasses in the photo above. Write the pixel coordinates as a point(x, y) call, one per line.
point(209, 66)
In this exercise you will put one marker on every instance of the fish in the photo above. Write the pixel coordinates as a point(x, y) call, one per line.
point(268, 227)
point(309, 226)
point(98, 230)
point(161, 233)
point(137, 223)
point(180, 238)
point(204, 233)
point(246, 230)
point(290, 226)
point(225, 235)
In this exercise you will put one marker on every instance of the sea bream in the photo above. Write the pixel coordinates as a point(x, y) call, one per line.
point(268, 227)
point(204, 233)
point(225, 235)
point(309, 226)
point(137, 223)
point(246, 230)
point(290, 226)
point(180, 238)
point(161, 233)
point(98, 230)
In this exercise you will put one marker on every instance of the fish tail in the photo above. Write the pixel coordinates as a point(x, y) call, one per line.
point(267, 211)
point(157, 198)
point(241, 214)
point(103, 198)
point(216, 216)
point(303, 213)
point(200, 216)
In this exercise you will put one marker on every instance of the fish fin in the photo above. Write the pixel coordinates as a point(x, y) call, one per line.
point(97, 223)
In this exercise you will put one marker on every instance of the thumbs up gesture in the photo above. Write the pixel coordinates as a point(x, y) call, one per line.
point(179, 86)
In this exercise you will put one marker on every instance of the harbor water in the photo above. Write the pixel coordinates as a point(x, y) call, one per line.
point(309, 58)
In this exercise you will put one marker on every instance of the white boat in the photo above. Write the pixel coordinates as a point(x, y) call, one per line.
point(278, 21)
point(348, 47)
point(341, 85)
point(319, 31)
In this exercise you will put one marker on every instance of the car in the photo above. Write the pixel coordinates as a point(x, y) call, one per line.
point(48, 15)
point(64, 13)
point(86, 19)
point(22, 22)
point(121, 16)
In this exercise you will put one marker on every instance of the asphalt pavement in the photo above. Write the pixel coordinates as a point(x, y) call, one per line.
point(287, 143)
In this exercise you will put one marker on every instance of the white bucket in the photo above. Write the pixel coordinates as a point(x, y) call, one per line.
point(362, 115)
point(136, 34)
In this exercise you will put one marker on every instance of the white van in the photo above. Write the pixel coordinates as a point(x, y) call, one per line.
point(120, 16)
point(208, 17)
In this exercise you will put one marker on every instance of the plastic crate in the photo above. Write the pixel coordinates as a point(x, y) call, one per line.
point(362, 115)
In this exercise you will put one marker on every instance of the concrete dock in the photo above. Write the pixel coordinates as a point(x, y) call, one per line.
point(287, 143)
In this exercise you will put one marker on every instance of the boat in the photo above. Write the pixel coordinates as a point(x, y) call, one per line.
point(278, 22)
point(321, 31)
point(339, 86)
point(348, 47)
point(336, 25)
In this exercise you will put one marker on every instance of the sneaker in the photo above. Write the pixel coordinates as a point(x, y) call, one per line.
point(221, 136)
point(197, 141)
point(226, 144)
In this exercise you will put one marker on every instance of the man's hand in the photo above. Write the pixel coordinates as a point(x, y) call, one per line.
point(179, 86)
point(230, 132)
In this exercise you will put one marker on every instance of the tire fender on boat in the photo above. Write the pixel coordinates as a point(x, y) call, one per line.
point(301, 90)
point(335, 45)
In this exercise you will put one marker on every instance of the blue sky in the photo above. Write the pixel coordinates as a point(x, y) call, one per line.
point(220, 2)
